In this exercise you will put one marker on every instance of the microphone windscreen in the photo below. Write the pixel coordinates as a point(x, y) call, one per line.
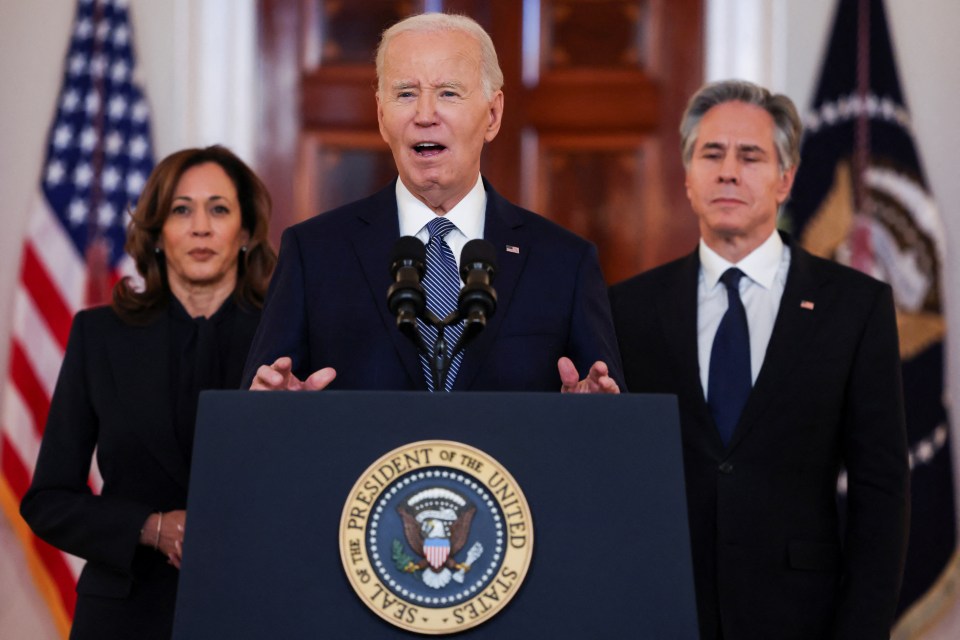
point(480, 251)
point(409, 248)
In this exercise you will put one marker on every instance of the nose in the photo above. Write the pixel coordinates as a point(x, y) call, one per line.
point(200, 224)
point(729, 170)
point(426, 109)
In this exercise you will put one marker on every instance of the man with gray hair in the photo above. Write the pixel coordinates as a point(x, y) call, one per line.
point(326, 322)
point(787, 371)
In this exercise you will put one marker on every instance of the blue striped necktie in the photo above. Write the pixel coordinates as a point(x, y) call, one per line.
point(730, 380)
point(442, 284)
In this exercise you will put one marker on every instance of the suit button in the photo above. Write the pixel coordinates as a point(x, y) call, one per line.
point(725, 468)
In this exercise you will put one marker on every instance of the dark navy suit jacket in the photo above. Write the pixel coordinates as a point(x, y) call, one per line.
point(327, 303)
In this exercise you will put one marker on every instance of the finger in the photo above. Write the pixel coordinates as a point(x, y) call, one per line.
point(598, 370)
point(283, 364)
point(320, 379)
point(273, 376)
point(569, 378)
point(267, 379)
point(607, 384)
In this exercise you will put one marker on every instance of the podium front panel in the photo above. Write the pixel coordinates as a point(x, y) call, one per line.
point(602, 475)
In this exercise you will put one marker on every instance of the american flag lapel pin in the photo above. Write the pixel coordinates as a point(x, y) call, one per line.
point(513, 249)
point(806, 304)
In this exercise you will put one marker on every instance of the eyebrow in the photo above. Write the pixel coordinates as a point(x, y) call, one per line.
point(743, 148)
point(189, 199)
point(410, 84)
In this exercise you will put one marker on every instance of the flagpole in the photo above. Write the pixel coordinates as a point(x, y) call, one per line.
point(861, 249)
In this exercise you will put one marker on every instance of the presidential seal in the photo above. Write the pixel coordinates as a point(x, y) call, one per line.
point(436, 537)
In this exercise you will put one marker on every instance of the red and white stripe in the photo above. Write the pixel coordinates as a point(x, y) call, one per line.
point(50, 290)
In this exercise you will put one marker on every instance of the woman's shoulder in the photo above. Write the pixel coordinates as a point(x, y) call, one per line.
point(99, 315)
point(96, 316)
point(105, 318)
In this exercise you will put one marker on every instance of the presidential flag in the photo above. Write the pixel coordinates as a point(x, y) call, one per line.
point(861, 197)
point(99, 155)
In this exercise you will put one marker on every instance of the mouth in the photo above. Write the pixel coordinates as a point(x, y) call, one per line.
point(727, 200)
point(201, 254)
point(428, 149)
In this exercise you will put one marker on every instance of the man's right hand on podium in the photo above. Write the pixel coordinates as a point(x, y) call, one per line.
point(279, 377)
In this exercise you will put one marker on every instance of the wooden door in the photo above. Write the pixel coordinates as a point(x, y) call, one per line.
point(594, 90)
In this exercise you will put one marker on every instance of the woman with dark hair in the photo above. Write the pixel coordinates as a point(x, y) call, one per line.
point(129, 385)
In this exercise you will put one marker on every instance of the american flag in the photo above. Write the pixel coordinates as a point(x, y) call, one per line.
point(861, 197)
point(99, 155)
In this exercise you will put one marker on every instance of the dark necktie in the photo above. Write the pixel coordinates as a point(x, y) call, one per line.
point(442, 284)
point(729, 383)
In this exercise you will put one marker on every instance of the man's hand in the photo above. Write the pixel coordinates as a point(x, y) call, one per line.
point(598, 379)
point(279, 377)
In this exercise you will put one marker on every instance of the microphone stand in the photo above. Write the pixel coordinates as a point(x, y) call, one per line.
point(411, 310)
point(442, 354)
point(476, 301)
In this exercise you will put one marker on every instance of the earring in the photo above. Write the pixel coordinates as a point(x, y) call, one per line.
point(243, 249)
point(156, 250)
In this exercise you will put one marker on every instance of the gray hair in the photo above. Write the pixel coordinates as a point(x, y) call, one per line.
point(491, 77)
point(786, 121)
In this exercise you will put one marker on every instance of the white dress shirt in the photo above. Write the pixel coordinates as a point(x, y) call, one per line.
point(467, 216)
point(766, 270)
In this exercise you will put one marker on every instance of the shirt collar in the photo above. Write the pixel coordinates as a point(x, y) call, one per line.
point(760, 265)
point(468, 214)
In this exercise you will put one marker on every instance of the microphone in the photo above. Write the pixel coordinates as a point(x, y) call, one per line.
point(405, 297)
point(478, 299)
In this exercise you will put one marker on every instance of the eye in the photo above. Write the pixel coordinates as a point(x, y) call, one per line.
point(221, 209)
point(180, 210)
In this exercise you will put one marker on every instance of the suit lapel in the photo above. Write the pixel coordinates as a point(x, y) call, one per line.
point(503, 227)
point(141, 368)
point(678, 313)
point(373, 243)
point(788, 340)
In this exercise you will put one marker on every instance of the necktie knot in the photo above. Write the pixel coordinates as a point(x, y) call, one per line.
point(731, 279)
point(439, 227)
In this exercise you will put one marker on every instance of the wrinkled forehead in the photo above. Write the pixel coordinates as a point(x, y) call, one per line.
point(432, 57)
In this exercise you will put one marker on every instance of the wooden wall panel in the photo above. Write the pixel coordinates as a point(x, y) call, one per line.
point(337, 167)
point(593, 89)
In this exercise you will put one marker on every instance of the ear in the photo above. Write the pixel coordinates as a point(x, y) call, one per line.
point(244, 237)
point(786, 184)
point(495, 115)
point(383, 134)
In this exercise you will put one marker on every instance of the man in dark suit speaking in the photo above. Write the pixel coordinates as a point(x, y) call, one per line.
point(787, 370)
point(326, 322)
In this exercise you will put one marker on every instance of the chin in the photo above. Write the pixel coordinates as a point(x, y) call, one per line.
point(205, 279)
point(428, 179)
